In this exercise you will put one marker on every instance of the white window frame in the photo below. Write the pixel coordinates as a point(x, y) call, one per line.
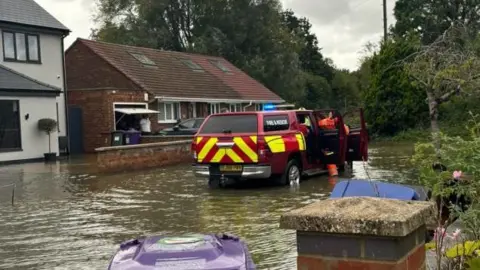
point(236, 107)
point(145, 105)
point(214, 108)
point(161, 106)
point(194, 108)
point(258, 106)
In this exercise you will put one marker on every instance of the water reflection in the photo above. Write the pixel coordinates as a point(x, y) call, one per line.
point(68, 217)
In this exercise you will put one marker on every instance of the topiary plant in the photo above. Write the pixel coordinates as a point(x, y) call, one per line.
point(47, 125)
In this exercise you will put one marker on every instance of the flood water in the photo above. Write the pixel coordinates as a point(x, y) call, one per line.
point(66, 216)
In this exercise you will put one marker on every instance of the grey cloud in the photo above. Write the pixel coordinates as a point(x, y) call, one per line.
point(343, 26)
point(319, 11)
point(86, 4)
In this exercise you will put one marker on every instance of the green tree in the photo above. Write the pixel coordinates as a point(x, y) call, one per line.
point(392, 103)
point(431, 18)
point(317, 71)
point(447, 67)
point(345, 92)
point(311, 58)
point(272, 45)
point(250, 34)
point(317, 89)
point(364, 72)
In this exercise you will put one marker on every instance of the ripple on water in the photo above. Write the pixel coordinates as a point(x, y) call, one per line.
point(64, 220)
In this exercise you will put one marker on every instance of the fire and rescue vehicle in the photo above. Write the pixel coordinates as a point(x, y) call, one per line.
point(283, 145)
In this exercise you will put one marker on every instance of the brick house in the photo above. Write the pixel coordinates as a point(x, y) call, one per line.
point(104, 79)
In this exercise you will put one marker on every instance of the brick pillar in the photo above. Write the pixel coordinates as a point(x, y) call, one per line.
point(360, 233)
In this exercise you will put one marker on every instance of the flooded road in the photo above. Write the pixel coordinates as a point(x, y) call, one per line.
point(67, 217)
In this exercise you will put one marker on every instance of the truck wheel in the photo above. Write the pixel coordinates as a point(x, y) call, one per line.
point(214, 182)
point(292, 174)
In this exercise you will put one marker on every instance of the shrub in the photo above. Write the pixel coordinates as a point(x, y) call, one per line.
point(47, 125)
point(461, 159)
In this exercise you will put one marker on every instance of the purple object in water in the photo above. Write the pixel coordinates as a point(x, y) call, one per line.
point(185, 252)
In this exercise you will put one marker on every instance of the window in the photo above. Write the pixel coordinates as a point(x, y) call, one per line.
point(275, 123)
point(188, 124)
point(189, 63)
point(143, 59)
point(198, 122)
point(21, 47)
point(125, 121)
point(236, 107)
point(168, 111)
point(258, 107)
point(10, 135)
point(214, 108)
point(220, 65)
point(246, 123)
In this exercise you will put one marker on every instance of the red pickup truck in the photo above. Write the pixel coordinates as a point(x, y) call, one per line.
point(273, 144)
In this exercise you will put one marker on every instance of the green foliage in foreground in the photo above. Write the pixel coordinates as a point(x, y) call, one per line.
point(458, 250)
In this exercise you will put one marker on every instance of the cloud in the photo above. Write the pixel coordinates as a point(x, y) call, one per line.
point(74, 14)
point(343, 27)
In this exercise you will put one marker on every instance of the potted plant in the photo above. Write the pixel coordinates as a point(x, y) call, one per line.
point(48, 125)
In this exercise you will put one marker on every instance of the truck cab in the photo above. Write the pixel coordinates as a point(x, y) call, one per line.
point(283, 145)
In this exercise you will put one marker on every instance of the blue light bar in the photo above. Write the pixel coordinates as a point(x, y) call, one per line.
point(269, 107)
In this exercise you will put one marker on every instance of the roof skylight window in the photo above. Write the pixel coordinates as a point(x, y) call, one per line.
point(143, 59)
point(220, 65)
point(189, 63)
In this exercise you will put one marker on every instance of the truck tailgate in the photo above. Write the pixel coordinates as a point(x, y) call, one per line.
point(227, 149)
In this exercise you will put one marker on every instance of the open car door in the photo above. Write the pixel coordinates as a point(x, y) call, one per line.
point(331, 141)
point(357, 139)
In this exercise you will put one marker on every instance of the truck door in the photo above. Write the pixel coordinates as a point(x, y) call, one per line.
point(357, 139)
point(331, 139)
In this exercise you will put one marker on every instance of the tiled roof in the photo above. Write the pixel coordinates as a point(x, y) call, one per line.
point(171, 78)
point(28, 12)
point(12, 80)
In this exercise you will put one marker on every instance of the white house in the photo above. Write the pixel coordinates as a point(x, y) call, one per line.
point(32, 84)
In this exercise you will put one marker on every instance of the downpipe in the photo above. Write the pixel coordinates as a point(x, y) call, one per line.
point(245, 107)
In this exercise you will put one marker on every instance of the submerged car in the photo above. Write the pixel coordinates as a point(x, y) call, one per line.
point(186, 127)
point(185, 252)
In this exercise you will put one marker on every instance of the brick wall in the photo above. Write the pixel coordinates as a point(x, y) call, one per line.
point(361, 233)
point(156, 139)
point(86, 70)
point(93, 85)
point(379, 254)
point(143, 156)
point(98, 114)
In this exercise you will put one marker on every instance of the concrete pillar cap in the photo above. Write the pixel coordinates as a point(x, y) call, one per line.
point(361, 215)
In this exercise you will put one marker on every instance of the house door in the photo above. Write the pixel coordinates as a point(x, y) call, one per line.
point(75, 125)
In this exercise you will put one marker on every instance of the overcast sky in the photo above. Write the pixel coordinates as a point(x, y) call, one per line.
point(342, 26)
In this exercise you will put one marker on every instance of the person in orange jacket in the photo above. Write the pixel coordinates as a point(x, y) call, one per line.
point(327, 122)
point(330, 123)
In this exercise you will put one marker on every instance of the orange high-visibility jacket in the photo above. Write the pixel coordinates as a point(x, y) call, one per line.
point(327, 123)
